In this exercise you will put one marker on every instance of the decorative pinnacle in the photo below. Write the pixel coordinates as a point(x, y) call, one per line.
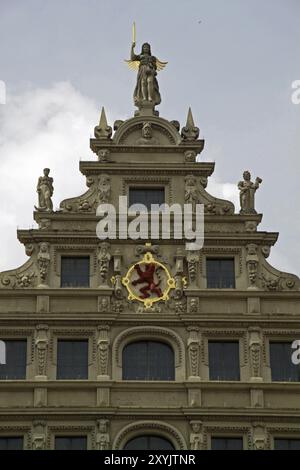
point(190, 120)
point(190, 131)
point(103, 130)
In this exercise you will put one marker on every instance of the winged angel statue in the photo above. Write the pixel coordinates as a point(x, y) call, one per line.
point(147, 65)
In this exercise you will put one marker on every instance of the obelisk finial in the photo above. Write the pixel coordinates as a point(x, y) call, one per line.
point(103, 130)
point(190, 131)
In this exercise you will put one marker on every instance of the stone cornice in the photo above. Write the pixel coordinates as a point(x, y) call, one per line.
point(96, 144)
point(138, 168)
point(203, 293)
point(90, 238)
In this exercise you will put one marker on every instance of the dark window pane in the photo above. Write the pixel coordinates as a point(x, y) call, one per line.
point(75, 272)
point(11, 443)
point(220, 273)
point(224, 362)
point(226, 443)
point(287, 444)
point(282, 368)
point(148, 443)
point(72, 359)
point(15, 367)
point(146, 196)
point(148, 360)
point(71, 443)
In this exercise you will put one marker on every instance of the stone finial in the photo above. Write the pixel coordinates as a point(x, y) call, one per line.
point(190, 131)
point(103, 130)
point(247, 192)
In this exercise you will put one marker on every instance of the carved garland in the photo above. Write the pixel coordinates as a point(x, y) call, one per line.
point(153, 332)
point(157, 426)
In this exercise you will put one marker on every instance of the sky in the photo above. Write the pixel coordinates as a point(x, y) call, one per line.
point(232, 61)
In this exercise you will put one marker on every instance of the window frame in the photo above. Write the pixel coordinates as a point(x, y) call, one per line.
point(28, 339)
point(146, 187)
point(281, 340)
point(227, 435)
point(221, 258)
point(73, 339)
point(227, 340)
point(15, 436)
point(74, 256)
point(148, 342)
point(70, 436)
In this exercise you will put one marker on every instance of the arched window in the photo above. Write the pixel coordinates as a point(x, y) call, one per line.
point(149, 443)
point(148, 360)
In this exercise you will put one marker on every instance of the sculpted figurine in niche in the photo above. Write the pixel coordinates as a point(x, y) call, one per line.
point(45, 192)
point(247, 191)
point(147, 135)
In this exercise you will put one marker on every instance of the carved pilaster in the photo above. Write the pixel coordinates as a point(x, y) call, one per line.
point(259, 436)
point(103, 438)
point(255, 354)
point(193, 347)
point(193, 259)
point(39, 435)
point(41, 342)
point(196, 435)
point(43, 260)
point(179, 280)
point(103, 352)
point(252, 261)
point(103, 258)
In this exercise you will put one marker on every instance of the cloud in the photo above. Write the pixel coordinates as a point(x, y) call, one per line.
point(40, 128)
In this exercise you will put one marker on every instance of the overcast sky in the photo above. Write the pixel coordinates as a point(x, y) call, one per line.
point(233, 61)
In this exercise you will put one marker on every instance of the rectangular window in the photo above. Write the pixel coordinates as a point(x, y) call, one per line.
point(146, 196)
point(11, 443)
point(287, 444)
point(16, 354)
point(70, 443)
point(224, 361)
point(75, 271)
point(220, 273)
point(72, 360)
point(282, 368)
point(226, 443)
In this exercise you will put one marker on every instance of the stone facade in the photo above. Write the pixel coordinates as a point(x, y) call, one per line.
point(188, 411)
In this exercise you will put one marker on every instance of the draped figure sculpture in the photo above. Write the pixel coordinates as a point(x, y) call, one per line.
point(247, 192)
point(147, 65)
point(45, 192)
